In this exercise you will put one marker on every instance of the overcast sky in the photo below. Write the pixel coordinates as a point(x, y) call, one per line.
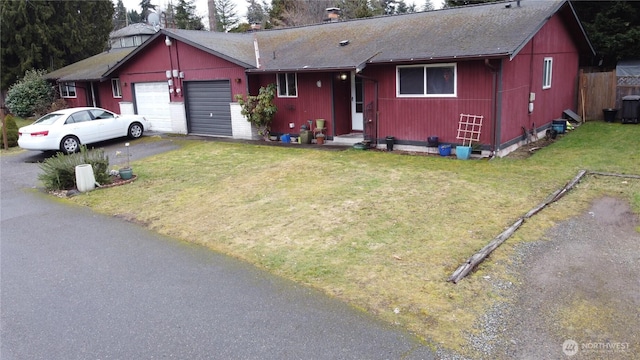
point(241, 6)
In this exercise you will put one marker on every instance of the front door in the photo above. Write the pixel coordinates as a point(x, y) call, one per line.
point(357, 98)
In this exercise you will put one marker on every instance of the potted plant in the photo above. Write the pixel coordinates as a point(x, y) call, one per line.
point(259, 110)
point(125, 172)
point(320, 139)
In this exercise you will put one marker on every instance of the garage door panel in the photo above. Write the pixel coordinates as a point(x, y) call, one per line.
point(208, 107)
point(152, 101)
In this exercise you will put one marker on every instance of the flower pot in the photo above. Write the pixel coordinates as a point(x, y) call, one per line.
point(463, 152)
point(320, 123)
point(432, 141)
point(320, 140)
point(285, 138)
point(305, 137)
point(126, 173)
point(444, 149)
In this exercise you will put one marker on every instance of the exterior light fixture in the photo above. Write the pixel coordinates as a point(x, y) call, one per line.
point(167, 41)
point(343, 76)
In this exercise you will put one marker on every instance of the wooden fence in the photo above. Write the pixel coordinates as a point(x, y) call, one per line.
point(602, 90)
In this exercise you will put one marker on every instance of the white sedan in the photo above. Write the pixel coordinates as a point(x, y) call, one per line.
point(67, 129)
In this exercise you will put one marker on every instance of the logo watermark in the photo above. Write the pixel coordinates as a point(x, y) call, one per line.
point(571, 347)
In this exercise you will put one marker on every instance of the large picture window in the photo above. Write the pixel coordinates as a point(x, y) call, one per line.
point(287, 85)
point(427, 80)
point(546, 73)
point(68, 90)
point(115, 88)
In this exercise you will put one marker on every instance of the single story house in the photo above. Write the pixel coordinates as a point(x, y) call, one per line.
point(409, 76)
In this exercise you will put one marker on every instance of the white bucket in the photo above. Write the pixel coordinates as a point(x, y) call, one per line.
point(84, 178)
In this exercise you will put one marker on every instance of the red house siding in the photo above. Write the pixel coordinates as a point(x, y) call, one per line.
point(152, 64)
point(524, 75)
point(312, 102)
point(415, 119)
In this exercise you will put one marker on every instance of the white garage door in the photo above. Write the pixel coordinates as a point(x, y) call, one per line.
point(152, 101)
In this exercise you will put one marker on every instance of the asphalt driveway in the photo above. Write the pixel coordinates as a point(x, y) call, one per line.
point(78, 285)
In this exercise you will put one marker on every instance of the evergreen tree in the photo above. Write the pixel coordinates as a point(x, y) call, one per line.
point(356, 9)
point(613, 28)
point(428, 6)
point(226, 16)
point(134, 17)
point(50, 34)
point(119, 16)
point(146, 7)
point(186, 17)
point(255, 13)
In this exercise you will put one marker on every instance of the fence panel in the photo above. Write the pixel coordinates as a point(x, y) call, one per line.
point(597, 92)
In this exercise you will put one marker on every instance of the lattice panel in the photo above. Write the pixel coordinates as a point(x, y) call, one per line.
point(469, 128)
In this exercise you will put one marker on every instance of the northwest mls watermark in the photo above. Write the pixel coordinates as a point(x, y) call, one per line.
point(571, 347)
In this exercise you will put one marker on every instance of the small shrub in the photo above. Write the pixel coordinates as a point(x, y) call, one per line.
point(259, 110)
point(12, 131)
point(30, 93)
point(59, 172)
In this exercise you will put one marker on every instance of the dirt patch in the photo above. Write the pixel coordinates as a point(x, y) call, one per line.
point(529, 149)
point(578, 292)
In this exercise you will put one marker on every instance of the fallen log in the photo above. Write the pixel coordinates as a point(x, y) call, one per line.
point(478, 257)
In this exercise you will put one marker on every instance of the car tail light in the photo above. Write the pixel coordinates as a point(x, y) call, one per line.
point(40, 133)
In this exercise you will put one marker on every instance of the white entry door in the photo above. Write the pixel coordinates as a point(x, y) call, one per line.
point(357, 102)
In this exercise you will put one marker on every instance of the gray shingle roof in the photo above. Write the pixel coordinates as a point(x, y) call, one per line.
point(472, 31)
point(478, 31)
point(91, 68)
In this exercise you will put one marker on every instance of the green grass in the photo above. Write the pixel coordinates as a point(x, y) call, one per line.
point(378, 230)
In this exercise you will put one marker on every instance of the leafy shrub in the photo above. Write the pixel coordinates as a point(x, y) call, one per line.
point(30, 93)
point(59, 172)
point(259, 110)
point(12, 131)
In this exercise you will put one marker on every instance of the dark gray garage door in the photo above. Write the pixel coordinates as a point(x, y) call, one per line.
point(208, 107)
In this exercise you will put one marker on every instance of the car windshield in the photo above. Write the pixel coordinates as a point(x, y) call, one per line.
point(48, 119)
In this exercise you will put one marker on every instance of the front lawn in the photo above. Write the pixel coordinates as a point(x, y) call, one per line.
point(381, 231)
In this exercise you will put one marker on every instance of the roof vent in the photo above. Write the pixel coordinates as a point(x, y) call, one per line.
point(344, 42)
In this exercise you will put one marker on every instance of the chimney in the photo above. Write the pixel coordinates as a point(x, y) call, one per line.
point(333, 14)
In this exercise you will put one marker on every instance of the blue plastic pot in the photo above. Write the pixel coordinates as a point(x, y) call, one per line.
point(444, 149)
point(463, 152)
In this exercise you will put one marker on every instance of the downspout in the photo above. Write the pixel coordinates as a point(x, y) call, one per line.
point(93, 95)
point(494, 108)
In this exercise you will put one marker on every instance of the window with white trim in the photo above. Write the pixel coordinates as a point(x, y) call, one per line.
point(287, 85)
point(426, 80)
point(115, 88)
point(546, 72)
point(68, 90)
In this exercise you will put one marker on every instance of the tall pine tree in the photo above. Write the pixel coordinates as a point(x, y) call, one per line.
point(51, 34)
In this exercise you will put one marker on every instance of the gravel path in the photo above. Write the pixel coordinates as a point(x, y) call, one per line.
point(578, 294)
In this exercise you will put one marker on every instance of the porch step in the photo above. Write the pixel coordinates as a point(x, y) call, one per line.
point(347, 139)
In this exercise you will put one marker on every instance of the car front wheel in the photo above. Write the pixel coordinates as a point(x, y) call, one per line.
point(135, 130)
point(69, 144)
